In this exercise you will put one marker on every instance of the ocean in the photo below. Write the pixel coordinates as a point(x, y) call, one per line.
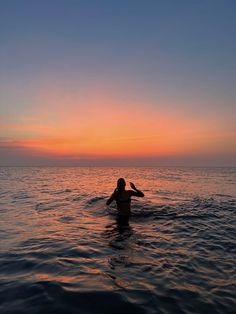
point(62, 250)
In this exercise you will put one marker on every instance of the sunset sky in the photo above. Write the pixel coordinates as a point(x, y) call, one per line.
point(123, 82)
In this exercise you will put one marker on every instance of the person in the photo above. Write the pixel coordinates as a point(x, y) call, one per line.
point(123, 197)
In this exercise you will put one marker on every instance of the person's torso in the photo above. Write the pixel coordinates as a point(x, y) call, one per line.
point(123, 200)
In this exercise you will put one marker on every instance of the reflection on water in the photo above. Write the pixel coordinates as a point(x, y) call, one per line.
point(119, 236)
point(118, 231)
point(63, 251)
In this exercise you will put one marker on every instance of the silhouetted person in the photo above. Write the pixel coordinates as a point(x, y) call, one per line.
point(123, 200)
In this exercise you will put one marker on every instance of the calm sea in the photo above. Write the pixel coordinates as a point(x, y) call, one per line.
point(62, 251)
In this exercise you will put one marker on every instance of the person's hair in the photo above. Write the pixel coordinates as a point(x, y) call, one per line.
point(121, 184)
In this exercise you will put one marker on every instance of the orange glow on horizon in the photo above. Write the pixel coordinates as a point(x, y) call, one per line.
point(99, 124)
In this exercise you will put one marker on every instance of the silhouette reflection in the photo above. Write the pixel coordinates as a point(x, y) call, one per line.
point(118, 232)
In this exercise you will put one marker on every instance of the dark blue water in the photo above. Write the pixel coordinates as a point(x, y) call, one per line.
point(62, 250)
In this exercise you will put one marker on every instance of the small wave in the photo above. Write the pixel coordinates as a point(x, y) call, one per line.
point(61, 191)
point(95, 199)
point(49, 205)
point(3, 193)
point(182, 216)
point(172, 193)
point(77, 198)
point(223, 195)
point(66, 219)
point(20, 195)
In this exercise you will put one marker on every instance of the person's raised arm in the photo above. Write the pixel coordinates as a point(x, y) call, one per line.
point(135, 191)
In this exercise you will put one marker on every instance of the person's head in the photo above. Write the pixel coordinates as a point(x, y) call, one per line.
point(121, 184)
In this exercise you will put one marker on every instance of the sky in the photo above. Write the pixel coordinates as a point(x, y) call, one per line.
point(128, 82)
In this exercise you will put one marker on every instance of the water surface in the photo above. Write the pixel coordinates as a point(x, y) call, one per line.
point(63, 252)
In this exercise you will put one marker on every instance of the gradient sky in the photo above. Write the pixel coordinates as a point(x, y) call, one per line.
point(129, 82)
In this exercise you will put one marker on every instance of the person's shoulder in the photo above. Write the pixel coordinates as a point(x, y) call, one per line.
point(114, 194)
